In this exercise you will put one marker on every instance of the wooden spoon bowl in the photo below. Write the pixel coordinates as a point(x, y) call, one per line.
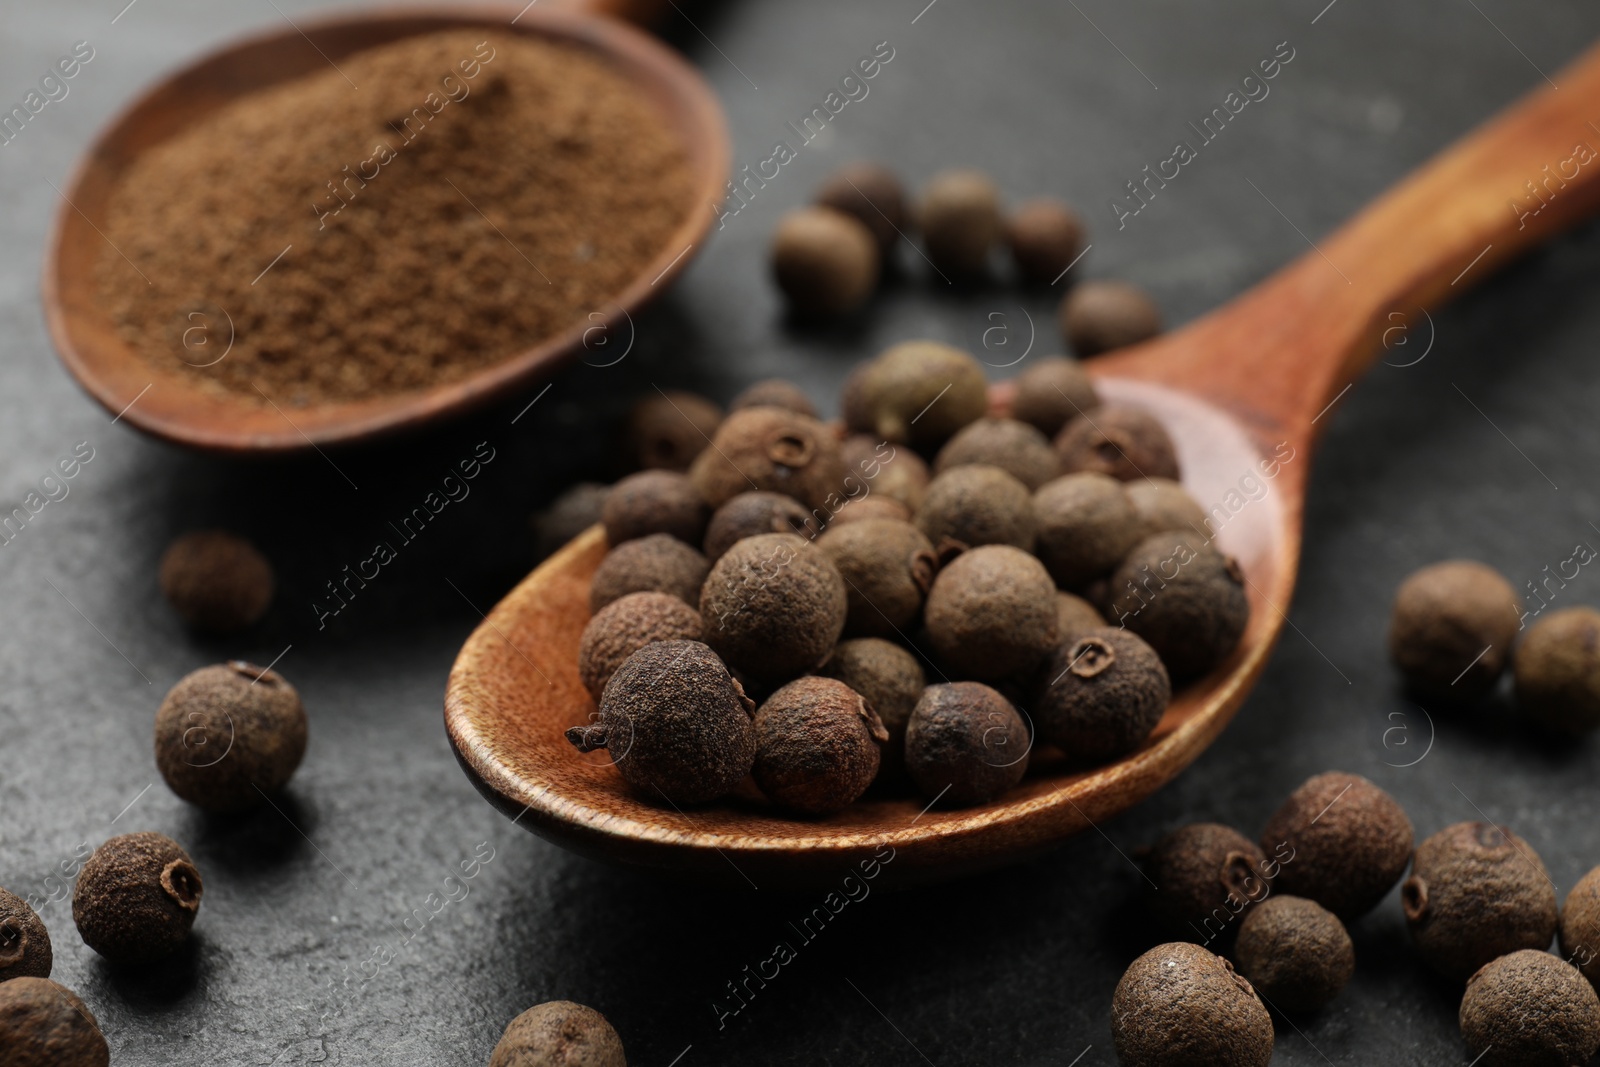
point(171, 406)
point(1243, 391)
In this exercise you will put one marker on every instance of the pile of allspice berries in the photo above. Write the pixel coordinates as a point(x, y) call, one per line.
point(921, 596)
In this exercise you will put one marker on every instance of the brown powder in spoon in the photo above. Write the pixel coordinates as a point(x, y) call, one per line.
point(477, 193)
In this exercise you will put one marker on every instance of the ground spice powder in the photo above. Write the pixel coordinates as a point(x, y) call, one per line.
point(429, 208)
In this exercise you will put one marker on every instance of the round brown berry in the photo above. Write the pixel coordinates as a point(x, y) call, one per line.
point(817, 746)
point(136, 899)
point(230, 735)
point(216, 581)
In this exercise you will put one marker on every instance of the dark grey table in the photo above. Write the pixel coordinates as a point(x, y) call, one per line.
point(312, 944)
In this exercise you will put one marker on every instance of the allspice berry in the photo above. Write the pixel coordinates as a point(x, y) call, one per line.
point(659, 563)
point(559, 1034)
point(1580, 925)
point(667, 429)
point(624, 626)
point(1051, 393)
point(916, 392)
point(1477, 892)
point(889, 471)
point(1086, 526)
point(869, 507)
point(965, 744)
point(43, 1024)
point(771, 449)
point(1179, 1005)
point(888, 566)
point(675, 723)
point(216, 581)
point(1557, 671)
point(229, 736)
point(992, 613)
point(774, 606)
point(1099, 316)
point(1045, 236)
point(574, 511)
point(655, 501)
point(872, 195)
point(775, 393)
point(1452, 628)
point(826, 262)
point(136, 899)
point(959, 215)
point(1350, 841)
point(756, 512)
point(890, 679)
point(24, 941)
point(1296, 953)
point(1015, 447)
point(1125, 442)
point(978, 505)
point(1102, 694)
point(817, 746)
point(1185, 598)
point(1529, 1009)
point(1162, 504)
point(1202, 877)
point(1074, 615)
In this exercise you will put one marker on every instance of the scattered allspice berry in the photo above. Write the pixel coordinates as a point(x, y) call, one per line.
point(1529, 1009)
point(826, 262)
point(896, 473)
point(1015, 447)
point(1098, 316)
point(1184, 597)
point(1295, 952)
point(817, 746)
point(1350, 841)
point(1103, 693)
point(773, 606)
point(230, 735)
point(965, 744)
point(655, 501)
point(976, 505)
point(917, 393)
point(574, 511)
point(1477, 892)
point(659, 563)
point(559, 1034)
point(773, 449)
point(1051, 393)
point(1125, 442)
point(675, 723)
point(668, 429)
point(756, 512)
point(1452, 628)
point(775, 393)
point(1580, 925)
point(1202, 876)
point(1074, 615)
point(1179, 1005)
point(216, 581)
point(891, 681)
point(992, 613)
point(136, 899)
point(1086, 526)
point(43, 1024)
point(1046, 237)
point(1557, 671)
point(24, 941)
point(959, 216)
point(871, 194)
point(624, 626)
point(888, 566)
point(1162, 504)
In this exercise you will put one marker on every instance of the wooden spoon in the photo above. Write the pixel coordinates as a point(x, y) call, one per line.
point(171, 406)
point(1243, 391)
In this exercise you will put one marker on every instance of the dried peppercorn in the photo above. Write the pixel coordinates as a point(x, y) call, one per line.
point(775, 393)
point(227, 736)
point(891, 680)
point(1074, 615)
point(668, 429)
point(1127, 443)
point(773, 607)
point(1557, 671)
point(873, 195)
point(675, 723)
point(1103, 693)
point(916, 392)
point(659, 563)
point(624, 626)
point(1477, 892)
point(1051, 393)
point(756, 512)
point(1296, 953)
point(991, 613)
point(43, 1024)
point(1529, 1009)
point(1580, 925)
point(1350, 840)
point(1162, 504)
point(216, 581)
point(571, 513)
point(1184, 597)
point(559, 1033)
point(817, 746)
point(888, 566)
point(1099, 316)
point(1179, 1005)
point(136, 898)
point(965, 744)
point(651, 502)
point(978, 505)
point(1452, 628)
point(24, 942)
point(773, 449)
point(870, 507)
point(1015, 447)
point(959, 216)
point(1086, 526)
point(1045, 236)
point(1203, 876)
point(825, 261)
point(889, 472)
